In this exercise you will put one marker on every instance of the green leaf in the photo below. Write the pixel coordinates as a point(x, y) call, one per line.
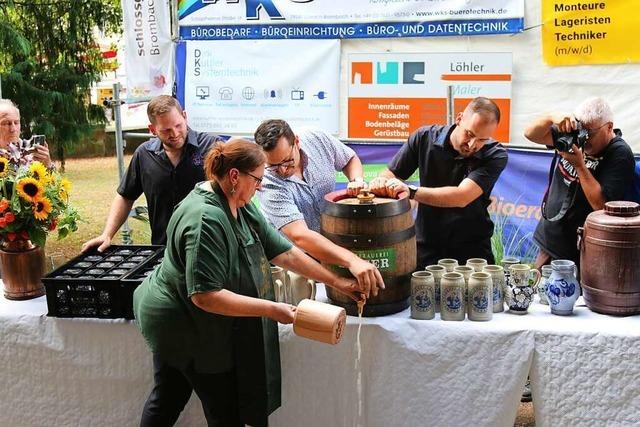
point(38, 236)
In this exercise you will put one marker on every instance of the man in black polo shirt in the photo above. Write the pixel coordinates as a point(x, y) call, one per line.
point(458, 166)
point(165, 169)
point(583, 179)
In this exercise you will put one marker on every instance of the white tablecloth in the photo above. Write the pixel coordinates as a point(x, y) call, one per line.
point(585, 370)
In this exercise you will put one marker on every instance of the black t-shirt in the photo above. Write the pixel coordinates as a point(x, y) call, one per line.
point(459, 233)
point(151, 172)
point(613, 169)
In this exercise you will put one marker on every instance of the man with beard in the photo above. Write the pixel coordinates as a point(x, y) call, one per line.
point(165, 169)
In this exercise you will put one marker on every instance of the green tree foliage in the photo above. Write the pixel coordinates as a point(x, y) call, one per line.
point(49, 59)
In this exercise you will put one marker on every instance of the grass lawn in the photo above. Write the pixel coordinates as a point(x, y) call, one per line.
point(94, 187)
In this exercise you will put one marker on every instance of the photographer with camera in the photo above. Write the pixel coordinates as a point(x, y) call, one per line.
point(20, 151)
point(592, 165)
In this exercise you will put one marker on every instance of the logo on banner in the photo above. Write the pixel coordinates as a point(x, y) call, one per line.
point(388, 73)
point(253, 7)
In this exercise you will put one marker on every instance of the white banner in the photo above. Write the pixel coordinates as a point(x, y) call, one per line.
point(148, 49)
point(231, 86)
point(277, 19)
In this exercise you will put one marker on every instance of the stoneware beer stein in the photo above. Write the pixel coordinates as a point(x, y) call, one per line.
point(545, 270)
point(437, 271)
point(448, 263)
point(280, 282)
point(519, 289)
point(299, 288)
point(477, 263)
point(563, 288)
point(480, 305)
point(423, 304)
point(466, 271)
point(507, 262)
point(452, 296)
point(497, 280)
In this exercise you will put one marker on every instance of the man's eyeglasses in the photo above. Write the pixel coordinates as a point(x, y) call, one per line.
point(592, 132)
point(285, 163)
point(258, 180)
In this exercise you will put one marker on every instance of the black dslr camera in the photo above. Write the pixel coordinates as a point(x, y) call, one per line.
point(565, 141)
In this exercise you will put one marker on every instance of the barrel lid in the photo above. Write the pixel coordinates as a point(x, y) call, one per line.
point(622, 208)
point(340, 204)
point(358, 201)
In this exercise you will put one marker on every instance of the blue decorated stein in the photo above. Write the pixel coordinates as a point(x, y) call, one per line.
point(563, 288)
point(437, 271)
point(452, 288)
point(497, 280)
point(423, 304)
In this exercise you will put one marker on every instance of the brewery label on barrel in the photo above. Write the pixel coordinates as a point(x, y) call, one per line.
point(383, 258)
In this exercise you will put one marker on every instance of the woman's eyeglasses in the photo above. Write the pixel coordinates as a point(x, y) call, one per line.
point(258, 180)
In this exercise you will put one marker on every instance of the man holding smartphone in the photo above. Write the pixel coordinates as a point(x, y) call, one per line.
point(12, 146)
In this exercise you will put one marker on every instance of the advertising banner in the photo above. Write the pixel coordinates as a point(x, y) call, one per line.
point(392, 94)
point(148, 48)
point(321, 19)
point(580, 32)
point(231, 86)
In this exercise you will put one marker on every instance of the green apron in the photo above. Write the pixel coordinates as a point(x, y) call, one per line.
point(255, 340)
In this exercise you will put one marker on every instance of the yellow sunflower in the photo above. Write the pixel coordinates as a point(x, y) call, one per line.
point(65, 188)
point(4, 167)
point(30, 189)
point(39, 172)
point(41, 208)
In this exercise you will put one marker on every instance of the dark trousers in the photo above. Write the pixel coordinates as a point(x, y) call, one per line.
point(172, 390)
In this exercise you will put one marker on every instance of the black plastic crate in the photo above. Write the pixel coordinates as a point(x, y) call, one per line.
point(132, 280)
point(90, 285)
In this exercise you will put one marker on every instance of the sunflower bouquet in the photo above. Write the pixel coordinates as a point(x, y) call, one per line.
point(33, 202)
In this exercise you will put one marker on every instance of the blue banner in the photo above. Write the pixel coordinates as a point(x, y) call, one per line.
point(353, 30)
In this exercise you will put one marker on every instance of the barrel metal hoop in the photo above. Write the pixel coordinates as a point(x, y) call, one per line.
point(383, 210)
point(612, 243)
point(370, 240)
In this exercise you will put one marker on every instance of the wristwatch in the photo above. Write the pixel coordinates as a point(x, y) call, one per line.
point(412, 191)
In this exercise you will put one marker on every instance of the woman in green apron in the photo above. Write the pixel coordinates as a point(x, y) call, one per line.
point(208, 312)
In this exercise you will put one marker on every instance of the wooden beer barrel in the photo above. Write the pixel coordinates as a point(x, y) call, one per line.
point(381, 232)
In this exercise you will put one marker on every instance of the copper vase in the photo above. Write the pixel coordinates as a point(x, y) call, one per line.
point(22, 267)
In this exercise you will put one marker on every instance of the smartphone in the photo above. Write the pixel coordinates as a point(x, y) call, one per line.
point(38, 139)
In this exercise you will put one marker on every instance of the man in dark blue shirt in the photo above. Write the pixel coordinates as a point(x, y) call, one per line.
point(458, 167)
point(165, 169)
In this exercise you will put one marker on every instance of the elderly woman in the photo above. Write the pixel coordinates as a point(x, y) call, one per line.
point(208, 312)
